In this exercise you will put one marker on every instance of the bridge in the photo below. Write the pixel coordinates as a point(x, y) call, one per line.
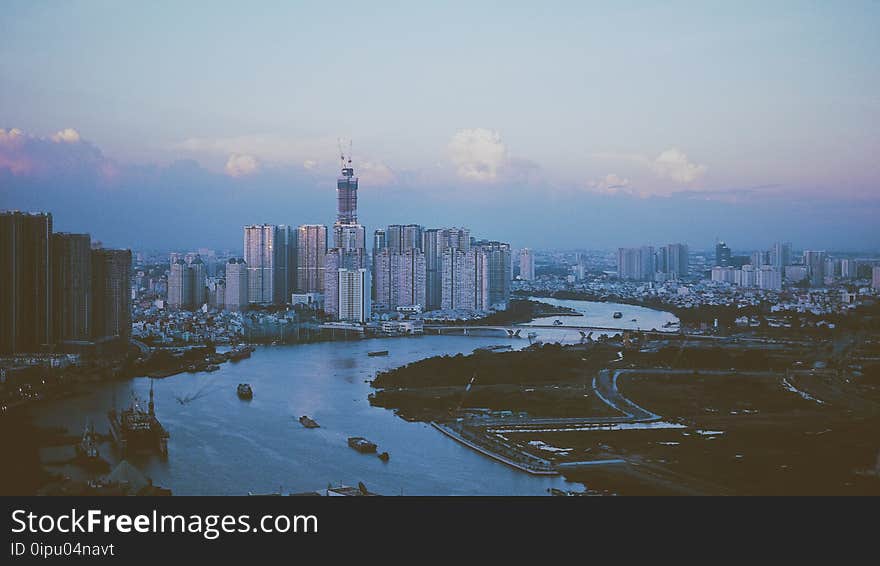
point(514, 330)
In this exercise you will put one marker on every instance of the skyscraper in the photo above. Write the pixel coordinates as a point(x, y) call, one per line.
point(435, 242)
point(111, 294)
point(677, 260)
point(236, 285)
point(267, 254)
point(26, 291)
point(311, 248)
point(458, 280)
point(814, 261)
point(722, 254)
point(526, 264)
point(636, 263)
point(400, 237)
point(780, 256)
point(399, 279)
point(197, 273)
point(353, 298)
point(349, 246)
point(71, 287)
point(492, 272)
point(179, 285)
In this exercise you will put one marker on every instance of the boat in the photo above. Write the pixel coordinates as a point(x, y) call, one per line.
point(133, 428)
point(244, 391)
point(212, 367)
point(633, 320)
point(345, 490)
point(362, 445)
point(384, 456)
point(618, 314)
point(308, 422)
point(557, 322)
point(378, 353)
point(239, 353)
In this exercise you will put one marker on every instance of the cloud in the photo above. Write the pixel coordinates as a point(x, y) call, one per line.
point(67, 135)
point(610, 183)
point(375, 174)
point(240, 165)
point(65, 151)
point(478, 154)
point(674, 164)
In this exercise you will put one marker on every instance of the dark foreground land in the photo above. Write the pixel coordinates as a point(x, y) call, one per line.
point(674, 415)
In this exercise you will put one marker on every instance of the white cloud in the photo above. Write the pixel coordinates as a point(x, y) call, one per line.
point(375, 174)
point(309, 164)
point(478, 154)
point(67, 135)
point(610, 183)
point(674, 164)
point(239, 165)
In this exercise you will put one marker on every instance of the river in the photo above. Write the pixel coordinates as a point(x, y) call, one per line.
point(221, 445)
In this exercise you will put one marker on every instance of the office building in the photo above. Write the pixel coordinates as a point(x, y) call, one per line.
point(780, 256)
point(180, 285)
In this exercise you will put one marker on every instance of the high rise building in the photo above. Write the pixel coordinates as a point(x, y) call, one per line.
point(400, 237)
point(236, 298)
point(526, 264)
point(458, 280)
point(380, 240)
point(768, 278)
point(760, 259)
point(780, 256)
point(197, 274)
point(26, 290)
point(435, 242)
point(349, 246)
point(179, 285)
point(71, 287)
point(875, 277)
point(492, 270)
point(311, 249)
point(267, 254)
point(722, 254)
point(636, 263)
point(353, 298)
point(814, 261)
point(399, 279)
point(677, 259)
point(111, 295)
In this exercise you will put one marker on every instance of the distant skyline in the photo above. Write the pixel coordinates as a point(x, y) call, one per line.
point(553, 125)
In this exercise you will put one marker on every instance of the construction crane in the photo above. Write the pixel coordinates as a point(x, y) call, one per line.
point(345, 162)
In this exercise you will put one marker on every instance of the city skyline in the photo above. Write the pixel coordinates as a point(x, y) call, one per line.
point(736, 140)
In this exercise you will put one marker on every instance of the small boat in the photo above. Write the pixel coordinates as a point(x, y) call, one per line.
point(212, 367)
point(348, 491)
point(308, 422)
point(618, 314)
point(384, 456)
point(244, 391)
point(633, 320)
point(557, 322)
point(362, 445)
point(378, 353)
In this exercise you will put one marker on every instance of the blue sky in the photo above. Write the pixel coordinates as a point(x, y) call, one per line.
point(572, 124)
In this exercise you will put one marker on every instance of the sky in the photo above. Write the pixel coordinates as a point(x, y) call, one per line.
point(545, 124)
